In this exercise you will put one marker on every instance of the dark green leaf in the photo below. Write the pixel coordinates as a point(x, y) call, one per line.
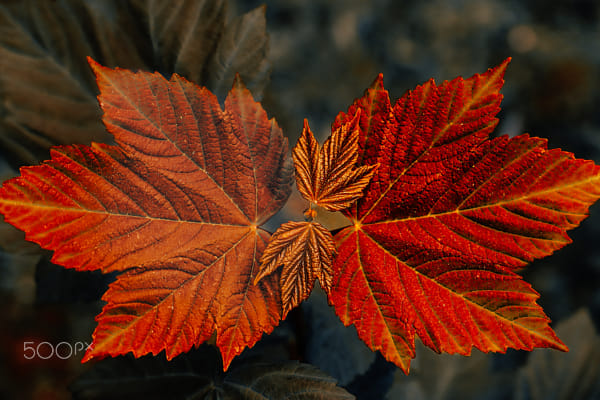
point(565, 376)
point(243, 50)
point(199, 375)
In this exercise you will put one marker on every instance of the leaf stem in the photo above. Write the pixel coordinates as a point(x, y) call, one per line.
point(310, 213)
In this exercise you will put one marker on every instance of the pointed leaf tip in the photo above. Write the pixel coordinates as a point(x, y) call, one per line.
point(501, 68)
point(98, 68)
point(306, 126)
point(237, 80)
point(93, 63)
point(238, 84)
point(95, 66)
point(239, 88)
point(378, 82)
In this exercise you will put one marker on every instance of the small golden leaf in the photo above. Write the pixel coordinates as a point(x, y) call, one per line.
point(328, 176)
point(305, 249)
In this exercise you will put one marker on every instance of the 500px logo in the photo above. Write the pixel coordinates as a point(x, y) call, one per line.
point(46, 350)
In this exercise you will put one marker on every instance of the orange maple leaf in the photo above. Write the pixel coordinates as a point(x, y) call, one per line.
point(175, 207)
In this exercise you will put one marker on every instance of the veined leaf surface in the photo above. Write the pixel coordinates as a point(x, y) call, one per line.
point(305, 250)
point(176, 206)
point(448, 218)
point(327, 176)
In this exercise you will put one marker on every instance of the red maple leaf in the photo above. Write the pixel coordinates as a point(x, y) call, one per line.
point(448, 218)
point(176, 207)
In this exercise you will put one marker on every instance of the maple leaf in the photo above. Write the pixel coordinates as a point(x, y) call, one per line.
point(328, 177)
point(305, 249)
point(48, 92)
point(448, 218)
point(176, 207)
